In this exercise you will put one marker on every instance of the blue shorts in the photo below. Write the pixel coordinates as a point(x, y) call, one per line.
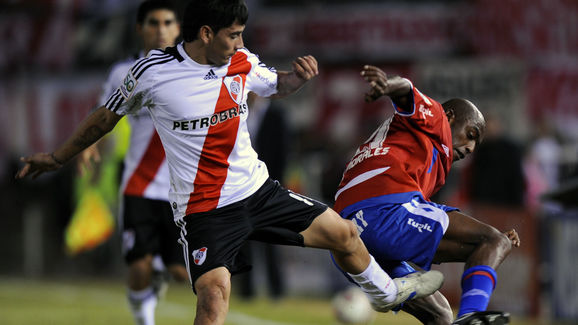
point(400, 227)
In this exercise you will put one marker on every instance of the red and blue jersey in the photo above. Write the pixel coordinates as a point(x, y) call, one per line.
point(409, 154)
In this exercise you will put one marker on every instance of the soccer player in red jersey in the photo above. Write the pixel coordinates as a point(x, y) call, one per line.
point(386, 190)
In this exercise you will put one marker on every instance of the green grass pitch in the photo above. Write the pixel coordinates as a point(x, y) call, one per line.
point(92, 302)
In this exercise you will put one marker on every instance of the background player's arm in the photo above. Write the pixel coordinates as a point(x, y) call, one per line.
point(94, 127)
point(397, 88)
point(288, 82)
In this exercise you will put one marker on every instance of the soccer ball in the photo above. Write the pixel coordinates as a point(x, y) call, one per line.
point(352, 306)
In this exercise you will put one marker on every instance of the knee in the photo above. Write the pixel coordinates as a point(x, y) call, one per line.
point(139, 274)
point(504, 244)
point(213, 296)
point(346, 238)
point(141, 268)
point(498, 241)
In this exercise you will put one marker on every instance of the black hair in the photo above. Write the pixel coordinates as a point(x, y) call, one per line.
point(149, 5)
point(216, 14)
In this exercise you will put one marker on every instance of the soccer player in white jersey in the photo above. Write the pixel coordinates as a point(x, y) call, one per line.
point(147, 220)
point(220, 192)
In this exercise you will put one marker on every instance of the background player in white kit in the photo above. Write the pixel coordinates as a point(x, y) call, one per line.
point(221, 194)
point(148, 232)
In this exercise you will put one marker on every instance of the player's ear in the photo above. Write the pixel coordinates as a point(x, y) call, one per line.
point(451, 115)
point(206, 34)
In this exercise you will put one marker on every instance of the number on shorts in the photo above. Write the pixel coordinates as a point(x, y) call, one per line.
point(359, 216)
point(428, 211)
point(301, 198)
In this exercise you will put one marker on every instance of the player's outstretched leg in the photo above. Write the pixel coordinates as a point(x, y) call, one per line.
point(483, 248)
point(340, 236)
point(484, 318)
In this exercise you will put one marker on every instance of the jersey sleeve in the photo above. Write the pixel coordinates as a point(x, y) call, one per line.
point(115, 76)
point(426, 113)
point(262, 79)
point(134, 91)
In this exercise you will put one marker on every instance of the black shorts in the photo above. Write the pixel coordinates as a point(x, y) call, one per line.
point(149, 228)
point(272, 214)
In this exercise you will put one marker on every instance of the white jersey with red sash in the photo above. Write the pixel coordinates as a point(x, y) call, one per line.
point(200, 114)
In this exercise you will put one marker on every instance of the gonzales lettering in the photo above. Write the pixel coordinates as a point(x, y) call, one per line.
point(205, 122)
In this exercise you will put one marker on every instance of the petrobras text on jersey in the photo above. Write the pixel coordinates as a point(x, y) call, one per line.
point(205, 122)
point(367, 153)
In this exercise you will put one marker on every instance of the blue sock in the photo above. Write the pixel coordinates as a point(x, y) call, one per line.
point(478, 282)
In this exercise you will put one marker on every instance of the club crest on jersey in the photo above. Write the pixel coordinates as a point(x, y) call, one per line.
point(234, 85)
point(199, 255)
point(128, 85)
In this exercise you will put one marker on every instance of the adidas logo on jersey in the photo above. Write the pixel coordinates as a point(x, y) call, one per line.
point(210, 75)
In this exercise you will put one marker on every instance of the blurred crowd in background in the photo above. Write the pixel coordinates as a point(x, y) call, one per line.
point(516, 60)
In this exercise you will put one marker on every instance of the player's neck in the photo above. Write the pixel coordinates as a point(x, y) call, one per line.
point(195, 50)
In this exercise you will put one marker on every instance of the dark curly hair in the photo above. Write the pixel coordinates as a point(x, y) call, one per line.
point(216, 14)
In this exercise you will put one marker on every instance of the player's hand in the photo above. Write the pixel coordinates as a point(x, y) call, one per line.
point(377, 79)
point(37, 164)
point(513, 236)
point(88, 159)
point(305, 67)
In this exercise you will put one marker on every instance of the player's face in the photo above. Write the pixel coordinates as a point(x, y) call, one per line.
point(159, 29)
point(225, 44)
point(465, 136)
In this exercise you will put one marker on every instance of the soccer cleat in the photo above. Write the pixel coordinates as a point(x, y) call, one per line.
point(484, 318)
point(412, 286)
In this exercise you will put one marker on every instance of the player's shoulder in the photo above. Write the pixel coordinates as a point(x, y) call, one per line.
point(245, 54)
point(155, 60)
point(245, 51)
point(245, 57)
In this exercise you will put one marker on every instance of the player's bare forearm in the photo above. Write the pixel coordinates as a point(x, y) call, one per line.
point(395, 87)
point(94, 127)
point(288, 82)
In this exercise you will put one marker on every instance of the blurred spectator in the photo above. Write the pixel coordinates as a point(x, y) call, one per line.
point(542, 163)
point(496, 169)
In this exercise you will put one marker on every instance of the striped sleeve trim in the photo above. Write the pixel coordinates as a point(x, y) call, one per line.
point(155, 57)
point(145, 67)
point(117, 99)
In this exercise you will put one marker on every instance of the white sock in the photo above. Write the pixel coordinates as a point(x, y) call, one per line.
point(158, 264)
point(376, 283)
point(142, 305)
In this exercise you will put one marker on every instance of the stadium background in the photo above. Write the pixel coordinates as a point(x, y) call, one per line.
point(515, 59)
